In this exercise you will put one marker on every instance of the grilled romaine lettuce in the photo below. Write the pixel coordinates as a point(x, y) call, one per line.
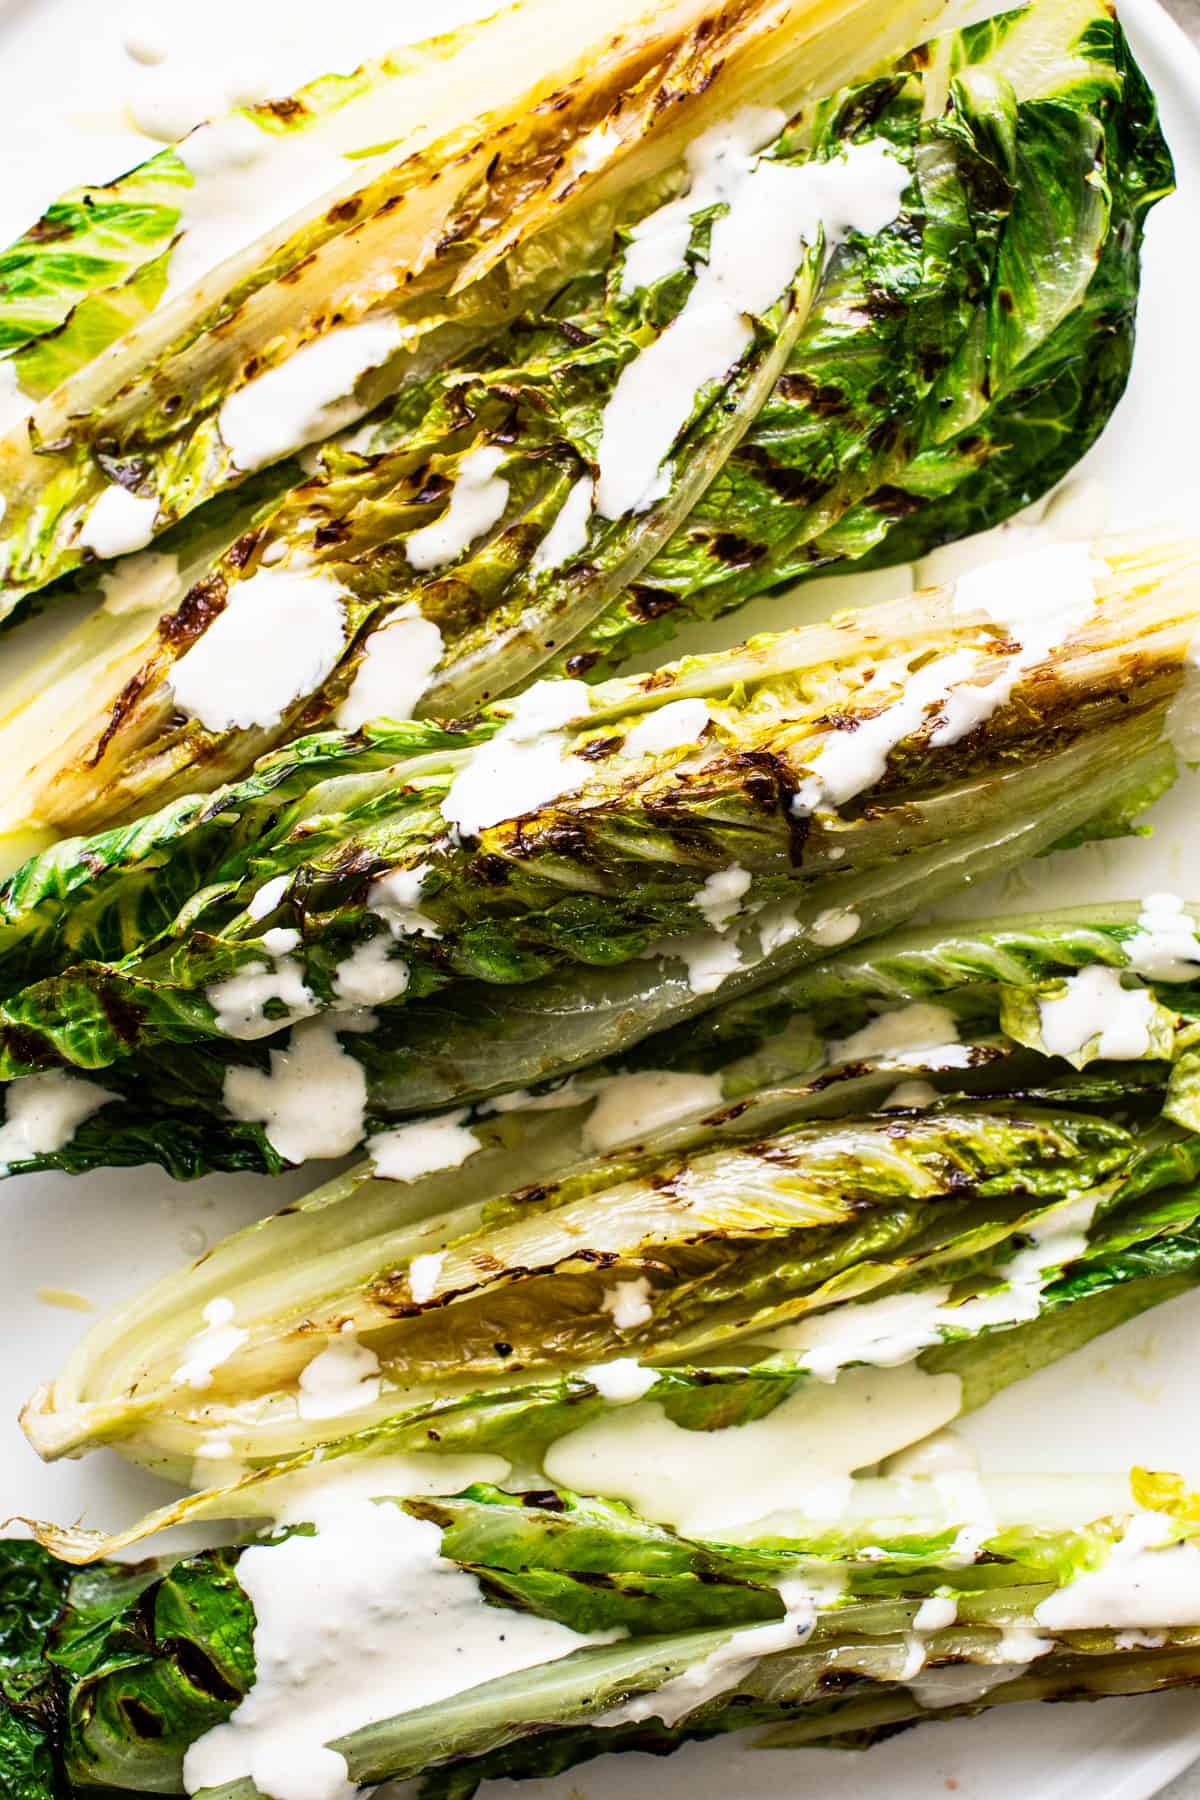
point(581, 1628)
point(623, 854)
point(439, 239)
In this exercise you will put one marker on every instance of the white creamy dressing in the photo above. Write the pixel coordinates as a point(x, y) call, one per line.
point(1095, 1008)
point(910, 1094)
point(569, 533)
point(921, 1029)
point(883, 1332)
point(944, 1452)
point(238, 1003)
point(312, 1100)
point(393, 898)
point(526, 765)
point(219, 1339)
point(343, 1377)
point(837, 925)
point(141, 583)
point(629, 1108)
point(214, 1463)
point(397, 667)
point(777, 926)
point(44, 1111)
point(621, 1381)
point(264, 900)
point(845, 762)
point(279, 636)
point(628, 1303)
point(624, 1108)
point(119, 522)
point(422, 1147)
point(708, 956)
point(359, 1622)
point(309, 396)
point(185, 71)
point(144, 40)
point(1165, 947)
point(722, 1669)
point(717, 165)
point(165, 102)
point(800, 1457)
point(755, 248)
point(1060, 1237)
point(720, 898)
point(937, 1613)
point(1019, 1644)
point(963, 1497)
point(1150, 1578)
point(371, 975)
point(423, 1275)
point(668, 727)
point(477, 502)
point(1040, 598)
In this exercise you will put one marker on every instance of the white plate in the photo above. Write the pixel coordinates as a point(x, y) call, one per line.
point(1123, 1400)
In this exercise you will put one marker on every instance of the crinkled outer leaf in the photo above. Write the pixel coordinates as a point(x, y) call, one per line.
point(438, 1051)
point(522, 1423)
point(854, 1723)
point(1067, 383)
point(148, 1679)
point(105, 895)
point(616, 866)
point(31, 1593)
point(27, 1761)
point(89, 241)
point(778, 1691)
point(1009, 403)
point(787, 1067)
point(32, 1586)
point(1183, 1093)
point(92, 326)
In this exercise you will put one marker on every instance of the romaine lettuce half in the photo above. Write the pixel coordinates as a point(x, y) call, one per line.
point(816, 1631)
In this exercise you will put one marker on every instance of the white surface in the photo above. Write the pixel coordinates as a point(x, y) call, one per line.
point(1127, 1398)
